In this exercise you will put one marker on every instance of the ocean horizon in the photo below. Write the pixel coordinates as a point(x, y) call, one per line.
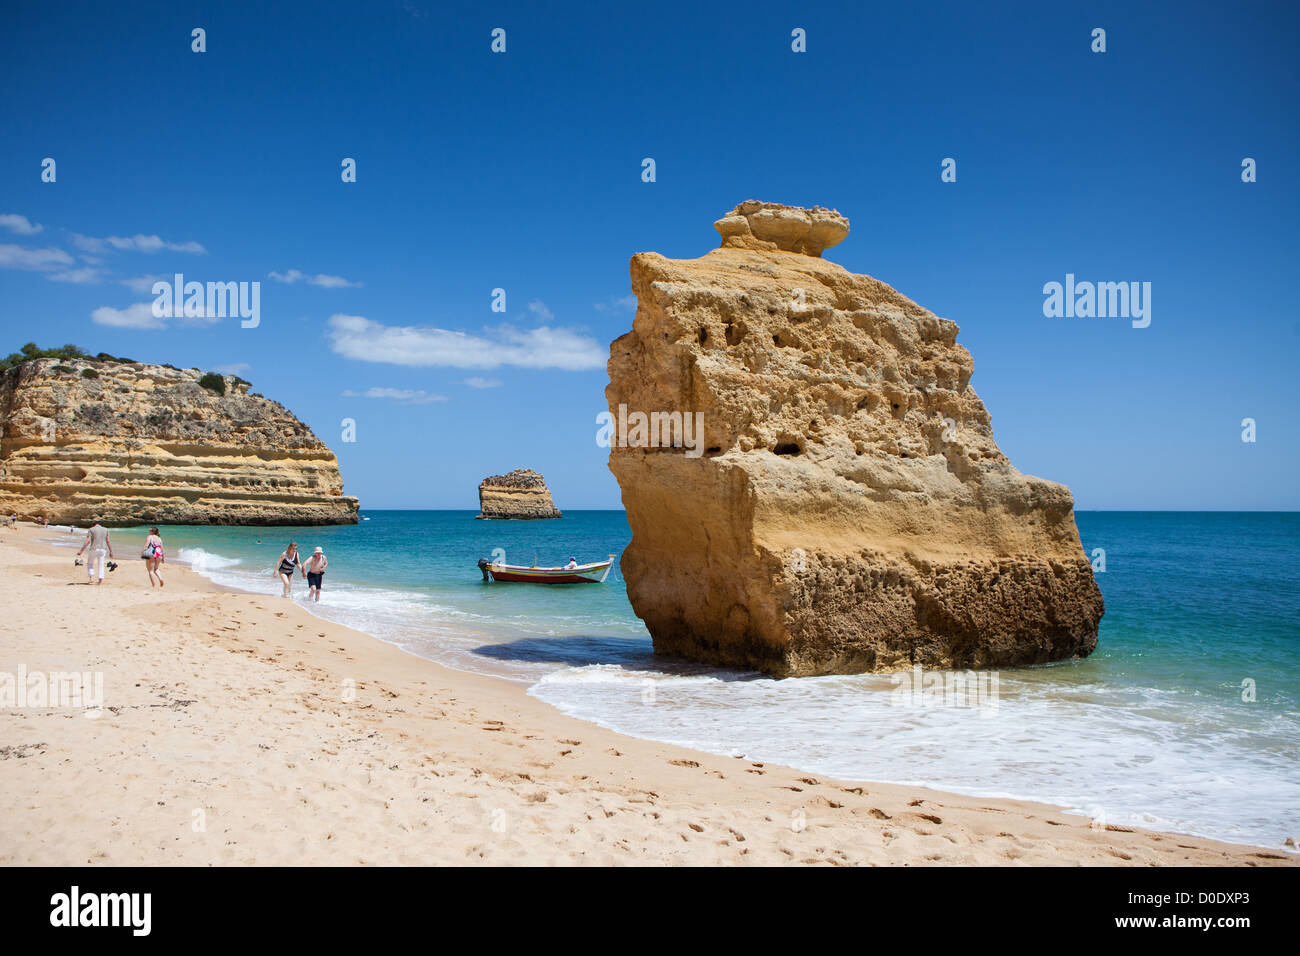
point(1184, 719)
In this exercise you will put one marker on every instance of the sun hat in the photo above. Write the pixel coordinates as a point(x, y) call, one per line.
point(318, 551)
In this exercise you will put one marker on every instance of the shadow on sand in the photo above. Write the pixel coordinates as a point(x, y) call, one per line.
point(629, 653)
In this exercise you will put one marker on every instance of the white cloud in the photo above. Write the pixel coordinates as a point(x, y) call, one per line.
point(356, 337)
point(477, 382)
point(141, 316)
point(138, 316)
point(324, 281)
point(142, 285)
point(234, 368)
point(617, 306)
point(406, 396)
point(19, 224)
point(78, 276)
point(539, 309)
point(136, 243)
point(33, 260)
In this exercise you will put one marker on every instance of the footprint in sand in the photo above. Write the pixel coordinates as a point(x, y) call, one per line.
point(683, 763)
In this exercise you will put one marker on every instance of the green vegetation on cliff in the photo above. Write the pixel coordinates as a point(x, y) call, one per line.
point(32, 351)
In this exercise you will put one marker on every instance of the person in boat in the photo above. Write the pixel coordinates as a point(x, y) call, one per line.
point(573, 563)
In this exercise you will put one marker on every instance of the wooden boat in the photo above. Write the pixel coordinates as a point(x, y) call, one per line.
point(594, 573)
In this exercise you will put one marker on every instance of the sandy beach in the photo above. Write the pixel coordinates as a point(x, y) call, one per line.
point(241, 729)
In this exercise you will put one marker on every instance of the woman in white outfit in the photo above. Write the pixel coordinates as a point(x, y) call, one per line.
point(101, 546)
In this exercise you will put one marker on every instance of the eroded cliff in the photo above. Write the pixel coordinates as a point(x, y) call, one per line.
point(850, 510)
point(131, 443)
point(521, 493)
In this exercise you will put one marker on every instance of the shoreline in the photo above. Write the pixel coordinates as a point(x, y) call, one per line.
point(293, 739)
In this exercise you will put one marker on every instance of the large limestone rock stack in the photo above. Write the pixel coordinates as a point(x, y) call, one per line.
point(521, 493)
point(131, 443)
point(846, 508)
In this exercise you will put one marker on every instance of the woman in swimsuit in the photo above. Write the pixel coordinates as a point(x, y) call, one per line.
point(288, 564)
point(153, 557)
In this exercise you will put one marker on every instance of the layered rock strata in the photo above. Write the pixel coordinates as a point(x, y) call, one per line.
point(130, 443)
point(520, 494)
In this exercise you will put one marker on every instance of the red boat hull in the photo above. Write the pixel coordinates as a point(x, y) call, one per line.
point(593, 573)
point(537, 579)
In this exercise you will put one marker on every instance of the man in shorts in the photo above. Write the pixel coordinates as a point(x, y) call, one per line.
point(315, 574)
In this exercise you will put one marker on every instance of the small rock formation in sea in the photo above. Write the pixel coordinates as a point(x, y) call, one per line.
point(845, 508)
point(131, 443)
point(520, 494)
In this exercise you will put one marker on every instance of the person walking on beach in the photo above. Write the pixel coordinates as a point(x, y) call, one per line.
point(316, 566)
point(288, 564)
point(100, 546)
point(153, 556)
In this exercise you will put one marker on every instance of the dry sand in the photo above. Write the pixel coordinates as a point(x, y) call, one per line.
point(240, 729)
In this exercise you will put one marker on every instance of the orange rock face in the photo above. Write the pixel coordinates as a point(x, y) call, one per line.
point(133, 443)
point(849, 510)
point(521, 493)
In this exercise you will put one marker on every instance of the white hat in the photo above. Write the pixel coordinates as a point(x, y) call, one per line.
point(318, 551)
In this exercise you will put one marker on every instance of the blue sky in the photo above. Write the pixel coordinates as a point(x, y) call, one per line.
point(522, 171)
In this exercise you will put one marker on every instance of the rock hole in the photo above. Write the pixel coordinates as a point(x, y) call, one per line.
point(786, 448)
point(704, 335)
point(734, 335)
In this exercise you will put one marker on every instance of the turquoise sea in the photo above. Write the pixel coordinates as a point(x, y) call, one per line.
point(1186, 718)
